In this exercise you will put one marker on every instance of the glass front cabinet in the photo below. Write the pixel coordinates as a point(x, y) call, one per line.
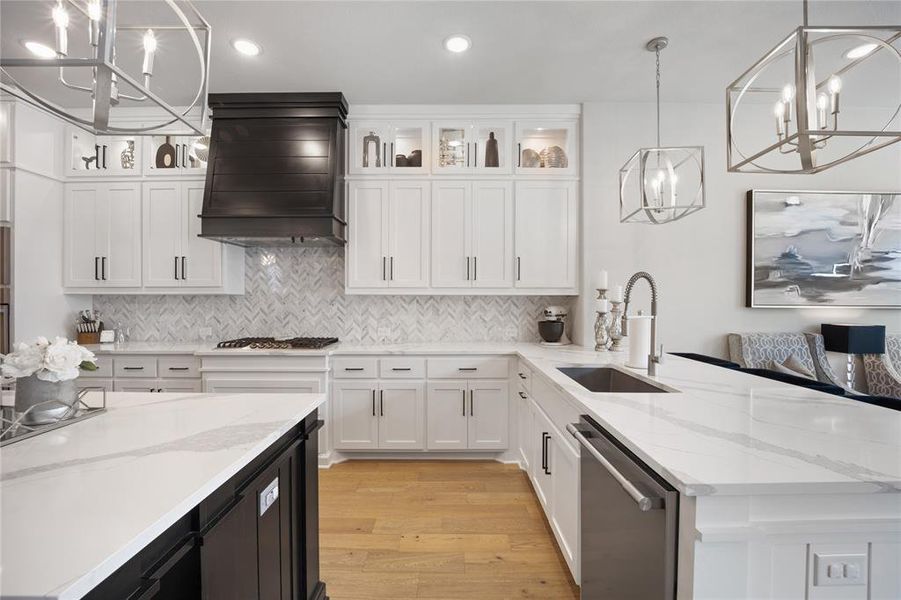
point(380, 147)
point(471, 147)
point(169, 155)
point(92, 155)
point(546, 147)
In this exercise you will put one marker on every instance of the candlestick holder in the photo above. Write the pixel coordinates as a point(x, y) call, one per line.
point(616, 326)
point(601, 338)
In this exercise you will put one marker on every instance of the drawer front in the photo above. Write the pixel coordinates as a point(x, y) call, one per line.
point(82, 383)
point(354, 368)
point(402, 368)
point(479, 367)
point(179, 385)
point(524, 376)
point(179, 366)
point(135, 366)
point(136, 385)
point(104, 368)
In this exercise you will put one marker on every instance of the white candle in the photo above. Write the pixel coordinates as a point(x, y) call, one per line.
point(602, 280)
point(603, 305)
point(618, 293)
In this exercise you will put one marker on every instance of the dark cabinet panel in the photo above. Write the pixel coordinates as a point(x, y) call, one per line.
point(228, 556)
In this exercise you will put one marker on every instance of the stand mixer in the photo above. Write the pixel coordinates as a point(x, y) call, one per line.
point(552, 327)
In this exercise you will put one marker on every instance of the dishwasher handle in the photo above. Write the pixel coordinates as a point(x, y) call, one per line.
point(645, 503)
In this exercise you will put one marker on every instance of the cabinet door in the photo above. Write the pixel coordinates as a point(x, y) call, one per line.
point(524, 431)
point(83, 231)
point(228, 553)
point(452, 147)
point(408, 230)
point(401, 419)
point(547, 147)
point(488, 414)
point(163, 211)
point(541, 428)
point(545, 234)
point(367, 244)
point(451, 243)
point(120, 155)
point(448, 407)
point(492, 234)
point(123, 235)
point(370, 147)
point(179, 386)
point(409, 147)
point(355, 416)
point(564, 514)
point(491, 146)
point(200, 262)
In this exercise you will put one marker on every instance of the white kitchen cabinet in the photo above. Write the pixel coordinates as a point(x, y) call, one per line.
point(525, 439)
point(488, 410)
point(354, 408)
point(546, 234)
point(388, 243)
point(463, 147)
point(369, 414)
point(564, 513)
point(260, 385)
point(173, 156)
point(541, 428)
point(174, 254)
point(472, 234)
point(470, 414)
point(102, 235)
point(401, 419)
point(547, 147)
point(398, 147)
point(91, 155)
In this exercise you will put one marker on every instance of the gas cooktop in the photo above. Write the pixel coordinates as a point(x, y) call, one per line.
point(270, 343)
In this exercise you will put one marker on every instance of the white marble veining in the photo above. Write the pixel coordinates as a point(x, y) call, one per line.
point(725, 432)
point(79, 501)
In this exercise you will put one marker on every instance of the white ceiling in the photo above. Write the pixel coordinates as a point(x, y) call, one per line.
point(523, 52)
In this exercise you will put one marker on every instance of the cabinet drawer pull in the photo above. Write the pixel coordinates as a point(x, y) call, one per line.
point(467, 268)
point(391, 268)
point(518, 269)
point(103, 268)
point(464, 402)
point(468, 369)
point(133, 368)
point(176, 267)
point(471, 402)
point(96, 268)
point(522, 395)
point(373, 403)
point(522, 376)
point(518, 155)
point(381, 403)
point(543, 451)
point(401, 369)
point(475, 268)
point(104, 156)
point(232, 504)
point(384, 261)
point(148, 590)
point(353, 368)
point(184, 268)
point(475, 155)
point(179, 368)
point(392, 154)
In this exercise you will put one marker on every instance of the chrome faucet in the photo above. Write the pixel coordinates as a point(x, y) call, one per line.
point(654, 359)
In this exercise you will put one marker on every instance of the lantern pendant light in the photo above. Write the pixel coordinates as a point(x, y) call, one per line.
point(664, 183)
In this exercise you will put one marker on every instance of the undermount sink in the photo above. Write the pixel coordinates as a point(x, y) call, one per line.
point(611, 380)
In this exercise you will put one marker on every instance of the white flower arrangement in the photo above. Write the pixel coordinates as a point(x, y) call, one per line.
point(59, 360)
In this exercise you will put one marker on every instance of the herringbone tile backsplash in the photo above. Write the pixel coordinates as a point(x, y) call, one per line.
point(300, 292)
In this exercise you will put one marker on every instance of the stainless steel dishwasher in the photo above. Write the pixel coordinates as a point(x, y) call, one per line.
point(629, 520)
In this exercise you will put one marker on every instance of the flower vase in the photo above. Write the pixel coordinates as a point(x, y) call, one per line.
point(48, 401)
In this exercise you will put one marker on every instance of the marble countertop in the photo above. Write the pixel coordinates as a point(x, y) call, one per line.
point(79, 501)
point(723, 433)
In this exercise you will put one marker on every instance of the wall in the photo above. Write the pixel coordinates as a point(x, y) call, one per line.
point(699, 262)
point(38, 304)
point(294, 292)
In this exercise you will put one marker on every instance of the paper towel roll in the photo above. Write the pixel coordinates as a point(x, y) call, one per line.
point(639, 341)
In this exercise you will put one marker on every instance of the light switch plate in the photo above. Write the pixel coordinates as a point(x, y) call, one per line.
point(839, 569)
point(268, 496)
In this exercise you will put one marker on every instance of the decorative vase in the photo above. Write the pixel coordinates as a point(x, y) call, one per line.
point(491, 156)
point(127, 158)
point(165, 155)
point(52, 400)
point(415, 159)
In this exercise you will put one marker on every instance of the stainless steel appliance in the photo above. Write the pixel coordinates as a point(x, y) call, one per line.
point(552, 327)
point(270, 343)
point(629, 520)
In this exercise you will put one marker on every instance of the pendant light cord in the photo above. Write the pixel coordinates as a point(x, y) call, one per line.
point(657, 52)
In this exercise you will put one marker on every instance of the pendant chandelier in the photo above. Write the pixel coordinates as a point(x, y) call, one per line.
point(664, 183)
point(98, 76)
point(821, 97)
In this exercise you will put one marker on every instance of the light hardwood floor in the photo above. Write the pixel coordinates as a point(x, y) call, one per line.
point(436, 530)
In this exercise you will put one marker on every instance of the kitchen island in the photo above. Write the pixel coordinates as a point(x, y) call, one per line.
point(166, 496)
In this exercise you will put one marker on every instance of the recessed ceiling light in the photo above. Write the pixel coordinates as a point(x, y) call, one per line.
point(860, 51)
point(246, 47)
point(458, 43)
point(39, 49)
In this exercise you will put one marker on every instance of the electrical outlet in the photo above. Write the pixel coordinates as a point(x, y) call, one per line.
point(840, 569)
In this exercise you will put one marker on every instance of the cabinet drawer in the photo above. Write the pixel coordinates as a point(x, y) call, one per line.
point(524, 376)
point(135, 366)
point(354, 368)
point(136, 385)
point(104, 368)
point(179, 366)
point(479, 367)
point(402, 368)
point(179, 386)
point(106, 384)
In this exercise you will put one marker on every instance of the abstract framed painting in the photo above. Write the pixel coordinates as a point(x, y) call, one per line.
point(823, 249)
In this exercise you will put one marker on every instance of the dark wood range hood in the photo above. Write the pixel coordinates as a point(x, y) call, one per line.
point(275, 175)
